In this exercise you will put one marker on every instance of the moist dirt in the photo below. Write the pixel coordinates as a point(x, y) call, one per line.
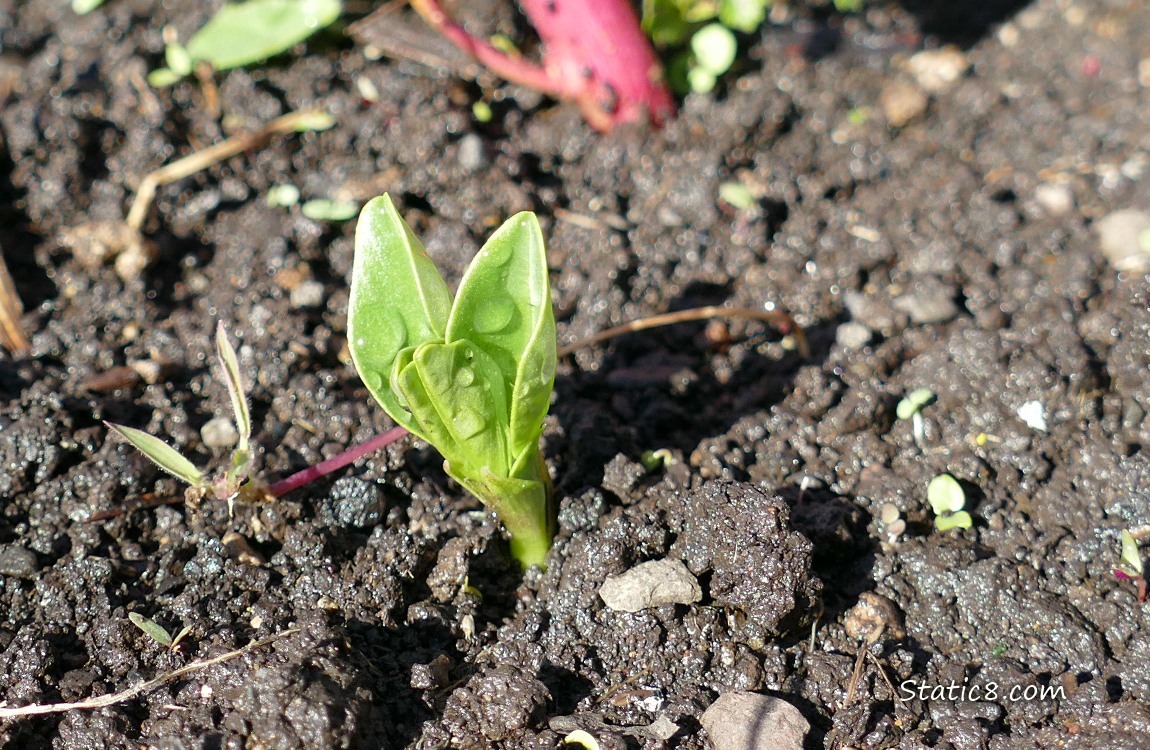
point(955, 252)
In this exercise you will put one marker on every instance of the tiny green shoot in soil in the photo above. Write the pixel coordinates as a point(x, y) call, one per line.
point(235, 482)
point(472, 376)
point(947, 499)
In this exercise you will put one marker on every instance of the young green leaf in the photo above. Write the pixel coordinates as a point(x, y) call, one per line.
point(1131, 555)
point(455, 393)
point(244, 33)
point(945, 494)
point(175, 644)
point(504, 306)
point(231, 369)
point(398, 300)
point(959, 520)
point(162, 454)
point(151, 628)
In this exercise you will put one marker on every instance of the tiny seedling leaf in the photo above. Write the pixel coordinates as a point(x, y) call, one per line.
point(959, 520)
point(162, 454)
point(398, 300)
point(325, 209)
point(582, 738)
point(180, 636)
point(244, 33)
point(231, 368)
point(743, 15)
point(945, 494)
point(714, 46)
point(151, 628)
point(313, 121)
point(163, 77)
point(736, 195)
point(914, 402)
point(178, 59)
point(80, 7)
point(1131, 555)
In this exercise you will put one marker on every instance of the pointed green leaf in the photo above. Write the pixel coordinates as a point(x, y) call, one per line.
point(244, 33)
point(162, 454)
point(398, 300)
point(154, 631)
point(456, 394)
point(231, 368)
point(504, 306)
point(1131, 555)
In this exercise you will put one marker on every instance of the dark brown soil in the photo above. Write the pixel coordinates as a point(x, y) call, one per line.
point(916, 257)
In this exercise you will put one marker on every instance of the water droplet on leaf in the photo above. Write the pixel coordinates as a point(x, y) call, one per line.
point(469, 422)
point(464, 377)
point(493, 314)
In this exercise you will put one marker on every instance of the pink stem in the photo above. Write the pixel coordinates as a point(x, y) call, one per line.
point(335, 463)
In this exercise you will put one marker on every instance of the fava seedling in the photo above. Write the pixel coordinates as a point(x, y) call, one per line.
point(473, 375)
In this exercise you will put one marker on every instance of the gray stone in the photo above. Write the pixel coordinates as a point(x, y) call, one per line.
point(649, 585)
point(17, 562)
point(749, 721)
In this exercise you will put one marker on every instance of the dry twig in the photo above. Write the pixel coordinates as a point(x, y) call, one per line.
point(11, 332)
point(39, 709)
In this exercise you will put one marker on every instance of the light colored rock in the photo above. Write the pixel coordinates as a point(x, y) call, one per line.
point(902, 102)
point(1124, 238)
point(219, 433)
point(650, 584)
point(749, 721)
point(925, 307)
point(308, 294)
point(1055, 199)
point(852, 335)
point(936, 70)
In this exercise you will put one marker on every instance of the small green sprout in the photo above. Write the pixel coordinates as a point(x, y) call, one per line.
point(947, 499)
point(654, 460)
point(325, 209)
point(1130, 565)
point(737, 195)
point(157, 633)
point(234, 483)
point(914, 402)
point(80, 7)
point(244, 33)
point(472, 376)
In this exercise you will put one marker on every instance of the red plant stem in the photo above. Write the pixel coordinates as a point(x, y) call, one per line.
point(335, 463)
point(594, 53)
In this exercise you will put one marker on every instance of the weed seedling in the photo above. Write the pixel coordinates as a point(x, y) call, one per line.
point(157, 632)
point(471, 376)
point(234, 483)
point(947, 499)
point(1130, 566)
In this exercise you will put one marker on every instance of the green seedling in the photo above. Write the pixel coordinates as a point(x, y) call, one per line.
point(911, 406)
point(234, 483)
point(947, 499)
point(157, 633)
point(326, 209)
point(80, 7)
point(244, 33)
point(472, 376)
point(655, 460)
point(1130, 565)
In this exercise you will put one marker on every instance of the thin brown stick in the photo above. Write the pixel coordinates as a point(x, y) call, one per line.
point(11, 332)
point(780, 320)
point(856, 676)
point(207, 157)
point(124, 695)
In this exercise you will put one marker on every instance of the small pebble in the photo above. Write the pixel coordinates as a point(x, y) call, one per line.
point(17, 562)
point(651, 584)
point(873, 617)
point(926, 308)
point(471, 156)
point(936, 70)
point(219, 433)
point(902, 102)
point(1124, 238)
point(1056, 200)
point(749, 721)
point(852, 335)
point(307, 294)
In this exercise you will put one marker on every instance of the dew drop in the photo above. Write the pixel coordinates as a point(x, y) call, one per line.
point(373, 380)
point(493, 314)
point(468, 422)
point(464, 377)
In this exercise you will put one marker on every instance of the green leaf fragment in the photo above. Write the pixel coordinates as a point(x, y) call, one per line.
point(231, 370)
point(178, 59)
point(714, 46)
point(80, 7)
point(283, 195)
point(737, 195)
point(960, 520)
point(244, 33)
point(323, 209)
point(163, 77)
point(152, 629)
point(743, 15)
point(1131, 555)
point(914, 402)
point(945, 494)
point(162, 454)
point(314, 120)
